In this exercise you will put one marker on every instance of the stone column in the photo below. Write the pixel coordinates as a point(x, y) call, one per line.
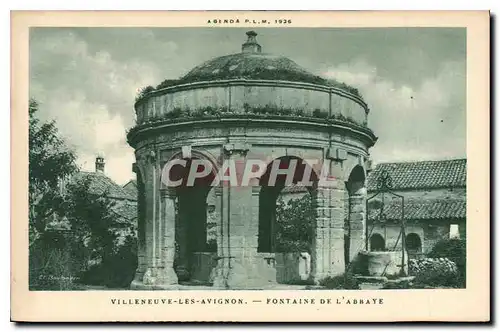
point(328, 239)
point(181, 240)
point(166, 273)
point(219, 273)
point(253, 226)
point(141, 231)
point(238, 231)
point(159, 214)
point(151, 192)
point(357, 222)
point(141, 262)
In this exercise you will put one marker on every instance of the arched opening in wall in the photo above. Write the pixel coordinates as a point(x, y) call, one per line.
point(287, 218)
point(413, 245)
point(355, 223)
point(377, 242)
point(286, 211)
point(195, 240)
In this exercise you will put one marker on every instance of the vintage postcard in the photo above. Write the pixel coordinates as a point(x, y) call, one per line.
point(250, 166)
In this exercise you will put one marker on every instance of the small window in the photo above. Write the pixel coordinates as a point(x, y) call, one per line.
point(454, 232)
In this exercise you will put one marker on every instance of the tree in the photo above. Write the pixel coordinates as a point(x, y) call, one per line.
point(94, 223)
point(91, 217)
point(50, 160)
point(56, 193)
point(294, 224)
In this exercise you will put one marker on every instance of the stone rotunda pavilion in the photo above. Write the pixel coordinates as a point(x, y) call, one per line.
point(238, 107)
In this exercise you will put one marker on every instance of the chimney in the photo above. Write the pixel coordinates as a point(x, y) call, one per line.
point(251, 45)
point(99, 164)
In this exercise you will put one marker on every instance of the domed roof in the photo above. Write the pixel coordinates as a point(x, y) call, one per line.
point(251, 63)
point(252, 66)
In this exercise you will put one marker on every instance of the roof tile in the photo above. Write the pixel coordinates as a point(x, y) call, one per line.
point(424, 210)
point(101, 184)
point(422, 174)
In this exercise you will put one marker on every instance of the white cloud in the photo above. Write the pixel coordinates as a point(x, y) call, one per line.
point(425, 121)
point(91, 97)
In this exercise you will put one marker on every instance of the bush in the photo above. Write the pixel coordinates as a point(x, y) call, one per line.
point(55, 262)
point(143, 92)
point(456, 251)
point(435, 272)
point(300, 282)
point(178, 112)
point(116, 270)
point(318, 113)
point(344, 281)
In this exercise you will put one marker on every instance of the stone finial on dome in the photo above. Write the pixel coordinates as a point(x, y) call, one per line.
point(251, 45)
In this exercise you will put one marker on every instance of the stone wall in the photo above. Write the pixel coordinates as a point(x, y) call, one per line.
point(429, 233)
point(283, 268)
point(292, 267)
point(234, 94)
point(390, 232)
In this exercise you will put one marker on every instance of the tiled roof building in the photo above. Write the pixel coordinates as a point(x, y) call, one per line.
point(435, 204)
point(432, 189)
point(101, 184)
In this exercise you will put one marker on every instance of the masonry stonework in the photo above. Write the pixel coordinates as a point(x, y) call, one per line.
point(238, 119)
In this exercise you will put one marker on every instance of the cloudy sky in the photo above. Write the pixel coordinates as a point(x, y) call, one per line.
point(412, 78)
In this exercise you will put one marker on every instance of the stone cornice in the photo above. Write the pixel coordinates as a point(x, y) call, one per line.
point(256, 82)
point(311, 123)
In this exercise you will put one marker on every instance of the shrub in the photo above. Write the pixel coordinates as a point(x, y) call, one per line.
point(456, 251)
point(435, 272)
point(167, 83)
point(301, 282)
point(178, 112)
point(116, 270)
point(143, 92)
point(55, 262)
point(317, 113)
point(344, 281)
